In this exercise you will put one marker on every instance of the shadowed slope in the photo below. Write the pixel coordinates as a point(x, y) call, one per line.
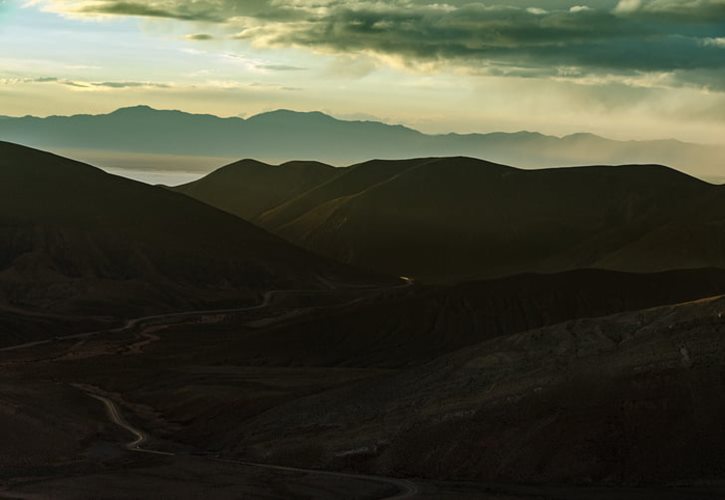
point(631, 398)
point(349, 182)
point(247, 188)
point(695, 236)
point(313, 393)
point(456, 217)
point(76, 238)
point(427, 322)
point(446, 219)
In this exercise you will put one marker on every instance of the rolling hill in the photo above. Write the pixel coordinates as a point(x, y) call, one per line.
point(519, 379)
point(444, 383)
point(248, 188)
point(144, 138)
point(451, 219)
point(74, 239)
point(633, 398)
point(412, 328)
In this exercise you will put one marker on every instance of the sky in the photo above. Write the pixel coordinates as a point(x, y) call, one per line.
point(625, 69)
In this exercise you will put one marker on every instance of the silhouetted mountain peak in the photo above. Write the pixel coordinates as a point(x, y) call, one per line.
point(245, 163)
point(173, 116)
point(252, 164)
point(141, 108)
point(306, 164)
point(248, 187)
point(288, 114)
point(582, 135)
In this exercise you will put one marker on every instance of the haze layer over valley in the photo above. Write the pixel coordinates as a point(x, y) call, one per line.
point(147, 143)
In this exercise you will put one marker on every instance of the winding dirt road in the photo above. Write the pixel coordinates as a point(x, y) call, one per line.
point(116, 417)
point(406, 489)
point(133, 323)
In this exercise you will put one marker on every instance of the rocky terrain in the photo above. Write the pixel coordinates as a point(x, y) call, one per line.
point(586, 403)
point(582, 401)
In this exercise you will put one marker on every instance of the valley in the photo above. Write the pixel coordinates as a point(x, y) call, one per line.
point(362, 250)
point(207, 410)
point(219, 360)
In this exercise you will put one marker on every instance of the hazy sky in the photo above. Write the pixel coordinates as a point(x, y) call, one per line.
point(620, 68)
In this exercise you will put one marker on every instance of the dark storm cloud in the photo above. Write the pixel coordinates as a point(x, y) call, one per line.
point(147, 10)
point(678, 11)
point(214, 11)
point(514, 37)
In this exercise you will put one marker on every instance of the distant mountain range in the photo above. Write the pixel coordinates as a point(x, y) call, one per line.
point(451, 219)
point(287, 135)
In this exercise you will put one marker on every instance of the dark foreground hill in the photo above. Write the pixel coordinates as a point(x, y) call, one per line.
point(248, 188)
point(433, 384)
point(74, 239)
point(425, 323)
point(634, 398)
point(447, 219)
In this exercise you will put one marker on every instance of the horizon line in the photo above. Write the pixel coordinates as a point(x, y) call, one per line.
point(379, 121)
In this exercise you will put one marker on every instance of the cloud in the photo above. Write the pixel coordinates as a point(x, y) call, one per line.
point(715, 42)
point(275, 86)
point(200, 37)
point(83, 84)
point(627, 6)
point(280, 67)
point(681, 11)
point(212, 11)
point(44, 79)
point(261, 65)
point(71, 83)
point(619, 37)
point(145, 10)
point(208, 85)
point(125, 85)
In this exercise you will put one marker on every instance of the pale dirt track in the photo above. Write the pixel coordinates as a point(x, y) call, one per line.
point(406, 489)
point(267, 299)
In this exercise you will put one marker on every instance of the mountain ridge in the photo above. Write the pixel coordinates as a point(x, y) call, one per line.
point(448, 219)
point(75, 239)
point(285, 112)
point(284, 135)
